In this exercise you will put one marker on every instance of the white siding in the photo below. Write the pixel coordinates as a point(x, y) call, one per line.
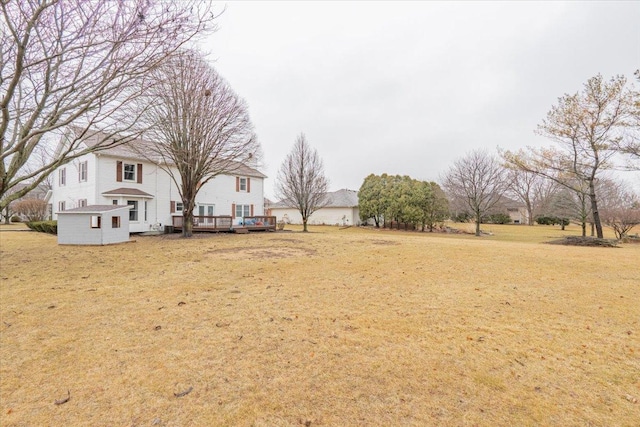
point(327, 216)
point(220, 191)
point(74, 190)
point(75, 229)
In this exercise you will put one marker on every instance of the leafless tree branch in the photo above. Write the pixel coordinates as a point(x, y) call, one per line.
point(76, 63)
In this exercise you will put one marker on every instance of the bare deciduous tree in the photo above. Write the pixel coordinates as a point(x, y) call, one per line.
point(620, 207)
point(31, 209)
point(73, 62)
point(478, 181)
point(199, 126)
point(531, 189)
point(630, 145)
point(588, 128)
point(301, 181)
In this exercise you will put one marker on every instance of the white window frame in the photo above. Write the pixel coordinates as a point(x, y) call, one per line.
point(179, 206)
point(84, 169)
point(115, 222)
point(242, 209)
point(133, 213)
point(61, 206)
point(82, 203)
point(243, 184)
point(62, 177)
point(132, 172)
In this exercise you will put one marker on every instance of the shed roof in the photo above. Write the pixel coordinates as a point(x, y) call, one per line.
point(95, 209)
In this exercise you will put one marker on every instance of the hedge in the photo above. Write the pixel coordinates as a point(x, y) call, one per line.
point(50, 227)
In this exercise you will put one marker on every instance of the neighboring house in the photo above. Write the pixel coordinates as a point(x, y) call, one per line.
point(341, 209)
point(121, 176)
point(94, 225)
point(518, 214)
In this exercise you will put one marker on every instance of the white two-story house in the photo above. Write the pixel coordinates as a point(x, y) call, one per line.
point(121, 176)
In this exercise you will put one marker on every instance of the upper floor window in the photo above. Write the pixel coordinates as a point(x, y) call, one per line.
point(61, 206)
point(82, 171)
point(62, 177)
point(243, 184)
point(129, 172)
point(82, 203)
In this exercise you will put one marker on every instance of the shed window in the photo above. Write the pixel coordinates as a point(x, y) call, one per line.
point(61, 206)
point(115, 222)
point(96, 221)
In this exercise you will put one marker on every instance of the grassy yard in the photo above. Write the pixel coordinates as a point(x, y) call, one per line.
point(329, 328)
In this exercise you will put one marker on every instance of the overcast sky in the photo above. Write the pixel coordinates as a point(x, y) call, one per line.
point(408, 88)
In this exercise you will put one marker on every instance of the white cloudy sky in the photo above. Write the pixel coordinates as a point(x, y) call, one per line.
point(407, 88)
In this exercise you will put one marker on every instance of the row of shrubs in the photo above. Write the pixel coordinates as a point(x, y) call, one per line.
point(497, 218)
point(50, 227)
point(552, 220)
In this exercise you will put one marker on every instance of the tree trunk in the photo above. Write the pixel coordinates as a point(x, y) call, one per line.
point(304, 225)
point(584, 229)
point(187, 218)
point(478, 225)
point(594, 209)
point(187, 225)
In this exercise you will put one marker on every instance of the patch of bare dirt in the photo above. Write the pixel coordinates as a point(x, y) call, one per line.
point(260, 253)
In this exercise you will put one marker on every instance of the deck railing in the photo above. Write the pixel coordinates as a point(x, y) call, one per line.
point(206, 223)
point(226, 223)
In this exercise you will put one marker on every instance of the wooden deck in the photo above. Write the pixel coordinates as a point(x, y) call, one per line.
point(225, 224)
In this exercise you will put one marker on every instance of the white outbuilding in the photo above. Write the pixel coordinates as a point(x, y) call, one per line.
point(94, 225)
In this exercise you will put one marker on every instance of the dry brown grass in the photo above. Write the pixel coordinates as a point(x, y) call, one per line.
point(334, 328)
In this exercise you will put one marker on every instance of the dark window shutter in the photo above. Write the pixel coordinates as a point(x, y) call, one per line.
point(139, 173)
point(233, 210)
point(119, 171)
point(173, 207)
point(248, 185)
point(251, 211)
point(237, 184)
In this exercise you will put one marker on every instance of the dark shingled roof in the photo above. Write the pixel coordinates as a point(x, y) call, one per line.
point(335, 199)
point(127, 192)
point(132, 149)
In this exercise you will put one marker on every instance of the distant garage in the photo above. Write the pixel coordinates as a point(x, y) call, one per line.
point(94, 225)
